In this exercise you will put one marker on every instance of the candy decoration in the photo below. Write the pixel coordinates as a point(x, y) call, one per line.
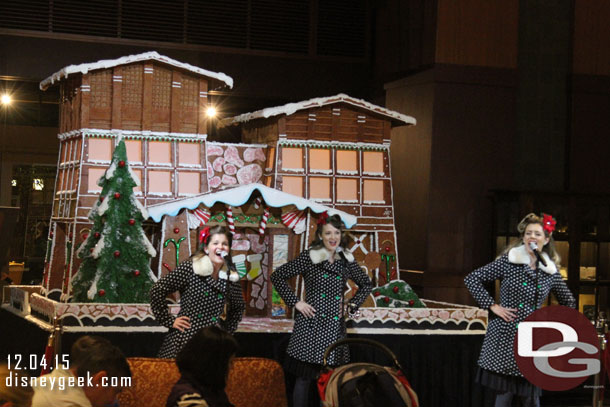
point(102, 198)
point(101, 293)
point(411, 302)
point(85, 236)
point(376, 293)
point(386, 299)
point(257, 202)
point(97, 235)
point(132, 222)
point(117, 253)
point(117, 195)
point(295, 220)
point(197, 218)
point(121, 163)
point(230, 220)
point(176, 230)
point(167, 266)
point(395, 289)
point(388, 258)
point(177, 245)
point(263, 224)
point(136, 273)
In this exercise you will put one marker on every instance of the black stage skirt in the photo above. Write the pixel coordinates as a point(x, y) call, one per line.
point(504, 383)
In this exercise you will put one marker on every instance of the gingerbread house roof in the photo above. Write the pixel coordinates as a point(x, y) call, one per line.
point(237, 196)
point(129, 59)
point(398, 119)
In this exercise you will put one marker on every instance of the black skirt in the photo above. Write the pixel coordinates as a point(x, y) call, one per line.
point(504, 383)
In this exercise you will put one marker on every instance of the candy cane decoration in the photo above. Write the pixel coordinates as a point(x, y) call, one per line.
point(257, 202)
point(263, 225)
point(230, 220)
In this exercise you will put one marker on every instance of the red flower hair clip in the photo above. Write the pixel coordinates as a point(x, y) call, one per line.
point(322, 218)
point(548, 223)
point(204, 235)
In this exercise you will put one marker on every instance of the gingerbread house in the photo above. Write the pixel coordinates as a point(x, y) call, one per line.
point(158, 105)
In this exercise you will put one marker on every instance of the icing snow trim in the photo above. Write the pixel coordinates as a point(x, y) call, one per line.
point(237, 196)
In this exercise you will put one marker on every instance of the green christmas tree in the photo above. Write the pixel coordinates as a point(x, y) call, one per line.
point(116, 254)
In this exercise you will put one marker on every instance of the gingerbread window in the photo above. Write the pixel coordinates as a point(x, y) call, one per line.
point(319, 161)
point(188, 183)
point(347, 162)
point(100, 149)
point(188, 154)
point(373, 163)
point(292, 185)
point(160, 183)
point(94, 175)
point(319, 189)
point(159, 153)
point(347, 190)
point(373, 191)
point(134, 151)
point(292, 159)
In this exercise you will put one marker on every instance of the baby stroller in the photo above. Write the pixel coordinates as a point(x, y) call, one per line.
point(364, 384)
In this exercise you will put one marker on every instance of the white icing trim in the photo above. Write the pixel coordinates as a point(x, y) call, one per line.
point(291, 108)
point(129, 59)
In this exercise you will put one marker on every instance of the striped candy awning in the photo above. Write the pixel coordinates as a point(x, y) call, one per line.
point(295, 220)
point(198, 217)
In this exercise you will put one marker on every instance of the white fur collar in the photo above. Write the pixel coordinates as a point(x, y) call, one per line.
point(321, 254)
point(203, 266)
point(519, 255)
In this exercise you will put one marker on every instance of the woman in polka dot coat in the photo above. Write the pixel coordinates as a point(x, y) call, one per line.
point(205, 289)
point(320, 318)
point(524, 287)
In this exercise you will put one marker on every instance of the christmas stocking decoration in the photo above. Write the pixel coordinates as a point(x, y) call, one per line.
point(255, 266)
point(240, 264)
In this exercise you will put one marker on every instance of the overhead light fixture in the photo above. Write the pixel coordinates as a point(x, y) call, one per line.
point(38, 184)
point(211, 112)
point(6, 99)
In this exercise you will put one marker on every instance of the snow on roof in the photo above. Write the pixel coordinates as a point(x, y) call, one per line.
point(109, 63)
point(237, 196)
point(291, 108)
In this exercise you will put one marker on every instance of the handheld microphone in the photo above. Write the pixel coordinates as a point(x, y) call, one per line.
point(534, 248)
point(339, 250)
point(226, 257)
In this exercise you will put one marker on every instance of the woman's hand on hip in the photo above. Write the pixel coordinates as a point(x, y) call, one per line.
point(305, 309)
point(182, 323)
point(507, 314)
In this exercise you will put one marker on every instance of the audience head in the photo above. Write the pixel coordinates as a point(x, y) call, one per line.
point(206, 357)
point(105, 363)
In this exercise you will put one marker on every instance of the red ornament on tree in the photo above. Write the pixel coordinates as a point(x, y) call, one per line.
point(411, 302)
point(117, 253)
point(117, 195)
point(395, 289)
point(376, 293)
point(136, 273)
point(176, 230)
point(132, 222)
point(97, 235)
point(101, 293)
point(386, 299)
point(121, 163)
point(85, 236)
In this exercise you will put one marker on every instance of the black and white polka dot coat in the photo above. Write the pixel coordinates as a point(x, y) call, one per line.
point(324, 287)
point(517, 290)
point(202, 299)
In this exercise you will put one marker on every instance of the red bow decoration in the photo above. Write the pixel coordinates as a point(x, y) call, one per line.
point(548, 223)
point(323, 217)
point(204, 235)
